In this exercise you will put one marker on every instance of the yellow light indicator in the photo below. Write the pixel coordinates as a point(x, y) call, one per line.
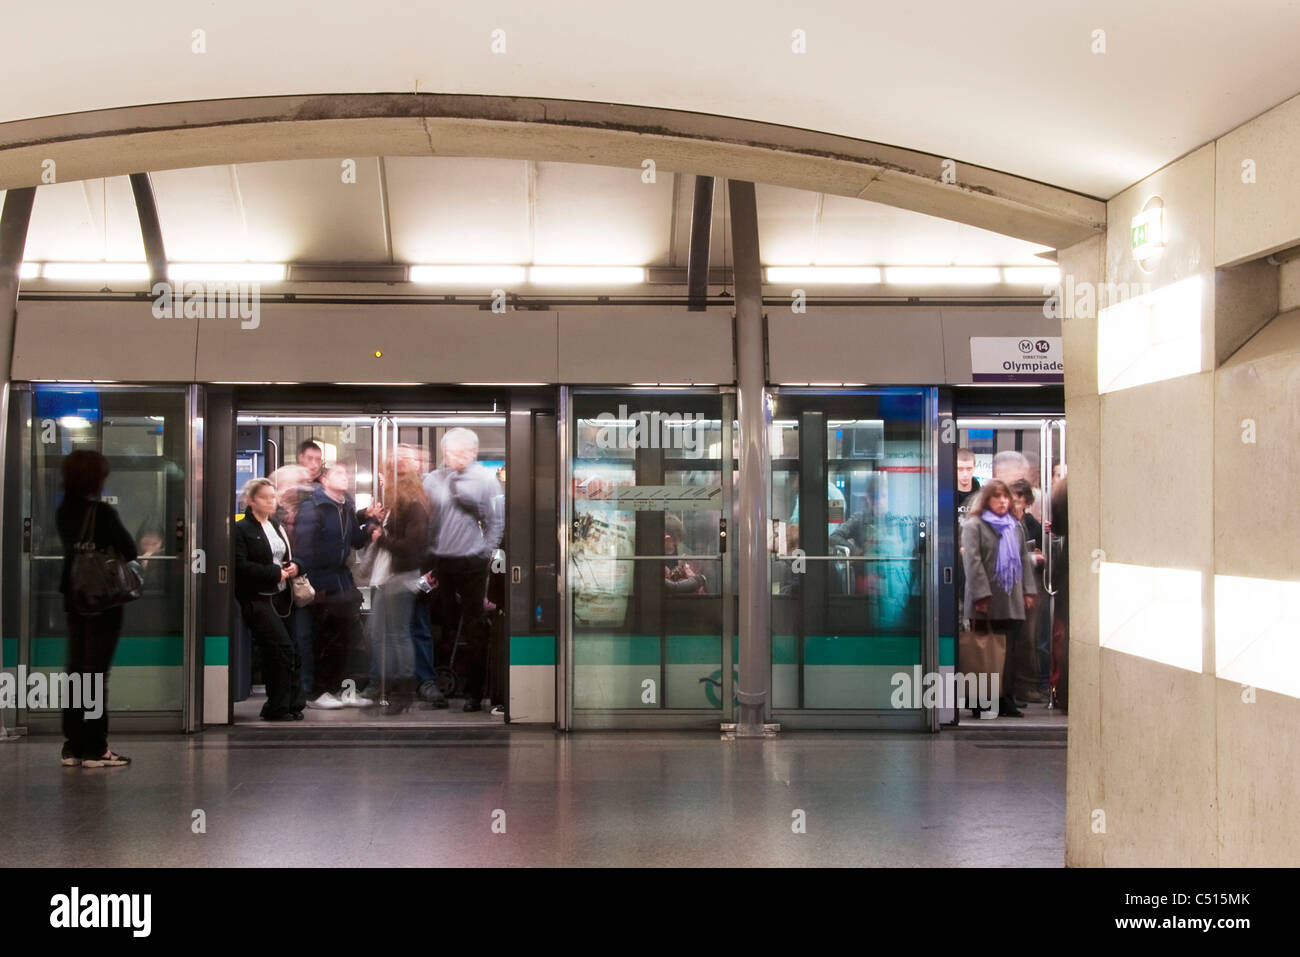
point(379, 354)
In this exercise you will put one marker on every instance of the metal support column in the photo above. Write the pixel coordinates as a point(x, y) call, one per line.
point(14, 221)
point(751, 412)
point(697, 263)
point(150, 227)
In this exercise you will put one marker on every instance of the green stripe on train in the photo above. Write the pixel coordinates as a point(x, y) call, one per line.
point(167, 650)
point(889, 650)
point(532, 650)
point(216, 650)
point(151, 651)
point(132, 651)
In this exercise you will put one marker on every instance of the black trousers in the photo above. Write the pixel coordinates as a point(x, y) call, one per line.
point(280, 662)
point(338, 629)
point(462, 585)
point(92, 639)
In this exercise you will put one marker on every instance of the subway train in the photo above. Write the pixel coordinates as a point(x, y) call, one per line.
point(614, 599)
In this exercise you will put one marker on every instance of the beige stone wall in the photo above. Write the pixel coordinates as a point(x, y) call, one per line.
point(1171, 766)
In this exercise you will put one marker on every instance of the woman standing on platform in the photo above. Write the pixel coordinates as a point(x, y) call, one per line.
point(92, 639)
point(264, 567)
point(999, 576)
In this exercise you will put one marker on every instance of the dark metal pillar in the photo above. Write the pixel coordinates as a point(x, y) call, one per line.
point(150, 227)
point(751, 412)
point(14, 220)
point(697, 262)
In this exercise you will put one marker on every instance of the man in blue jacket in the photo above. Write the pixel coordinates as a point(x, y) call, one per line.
point(329, 527)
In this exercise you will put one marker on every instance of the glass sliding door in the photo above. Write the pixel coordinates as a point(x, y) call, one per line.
point(144, 434)
point(648, 582)
point(852, 503)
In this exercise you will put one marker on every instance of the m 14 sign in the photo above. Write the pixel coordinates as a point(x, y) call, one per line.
point(1016, 359)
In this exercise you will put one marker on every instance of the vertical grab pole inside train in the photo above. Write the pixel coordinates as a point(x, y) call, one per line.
point(379, 490)
point(1049, 456)
point(751, 411)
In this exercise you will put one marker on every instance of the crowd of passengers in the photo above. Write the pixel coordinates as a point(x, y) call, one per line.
point(425, 546)
point(1002, 539)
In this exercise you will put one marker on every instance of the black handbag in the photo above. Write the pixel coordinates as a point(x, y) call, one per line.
point(100, 578)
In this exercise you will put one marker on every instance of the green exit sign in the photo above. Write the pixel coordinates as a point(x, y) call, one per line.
point(1148, 233)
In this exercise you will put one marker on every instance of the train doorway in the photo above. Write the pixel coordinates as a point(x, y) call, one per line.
point(1024, 445)
point(422, 671)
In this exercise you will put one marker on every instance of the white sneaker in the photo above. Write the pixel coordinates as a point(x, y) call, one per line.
point(355, 699)
point(326, 702)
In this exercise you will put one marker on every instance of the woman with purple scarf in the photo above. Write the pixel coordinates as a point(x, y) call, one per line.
point(999, 576)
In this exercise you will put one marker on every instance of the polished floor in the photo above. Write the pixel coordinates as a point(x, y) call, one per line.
point(419, 715)
point(380, 797)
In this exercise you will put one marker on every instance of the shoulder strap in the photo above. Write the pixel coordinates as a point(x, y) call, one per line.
point(87, 535)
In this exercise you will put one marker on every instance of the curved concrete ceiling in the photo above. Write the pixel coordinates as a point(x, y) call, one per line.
point(1014, 86)
point(105, 143)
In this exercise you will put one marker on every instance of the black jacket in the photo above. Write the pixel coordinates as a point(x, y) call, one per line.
point(255, 571)
point(327, 531)
point(109, 532)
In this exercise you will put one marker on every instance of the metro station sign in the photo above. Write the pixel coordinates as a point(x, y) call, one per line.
point(1017, 359)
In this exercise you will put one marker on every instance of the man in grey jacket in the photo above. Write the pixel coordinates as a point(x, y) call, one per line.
point(465, 531)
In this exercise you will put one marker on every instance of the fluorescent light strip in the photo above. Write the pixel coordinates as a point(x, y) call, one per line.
point(586, 275)
point(29, 270)
point(94, 272)
point(943, 275)
point(451, 275)
point(1031, 275)
point(844, 275)
point(264, 272)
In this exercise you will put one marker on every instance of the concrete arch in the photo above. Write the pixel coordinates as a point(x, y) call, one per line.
point(213, 132)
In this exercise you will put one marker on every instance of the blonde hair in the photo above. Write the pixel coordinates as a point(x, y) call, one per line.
point(252, 487)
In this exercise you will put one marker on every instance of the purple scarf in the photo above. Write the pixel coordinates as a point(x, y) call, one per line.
point(1009, 568)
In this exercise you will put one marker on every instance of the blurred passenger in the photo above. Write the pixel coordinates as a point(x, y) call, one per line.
point(329, 528)
point(149, 539)
point(967, 484)
point(311, 457)
point(1026, 678)
point(405, 539)
point(999, 577)
point(785, 579)
point(293, 487)
point(417, 460)
point(465, 531)
point(1010, 466)
point(92, 639)
point(964, 496)
point(149, 536)
point(264, 566)
point(1060, 679)
point(1035, 506)
point(680, 578)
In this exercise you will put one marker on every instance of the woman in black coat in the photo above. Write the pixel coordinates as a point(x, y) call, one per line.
point(92, 639)
point(264, 567)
